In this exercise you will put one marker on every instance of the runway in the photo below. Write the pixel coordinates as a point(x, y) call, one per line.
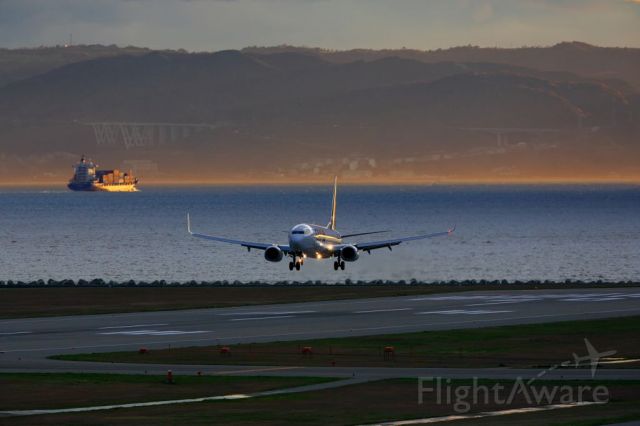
point(25, 343)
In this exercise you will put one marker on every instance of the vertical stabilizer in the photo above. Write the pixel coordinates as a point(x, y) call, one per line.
point(332, 223)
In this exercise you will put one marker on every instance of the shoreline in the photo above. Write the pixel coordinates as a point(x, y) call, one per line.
point(480, 284)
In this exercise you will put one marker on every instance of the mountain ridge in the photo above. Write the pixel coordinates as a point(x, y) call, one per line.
point(266, 114)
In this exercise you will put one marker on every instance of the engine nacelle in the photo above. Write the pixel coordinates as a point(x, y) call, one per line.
point(349, 253)
point(273, 254)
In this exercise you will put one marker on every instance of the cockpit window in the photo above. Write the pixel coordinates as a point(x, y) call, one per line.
point(301, 230)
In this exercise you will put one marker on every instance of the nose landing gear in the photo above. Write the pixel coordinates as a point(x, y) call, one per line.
point(295, 264)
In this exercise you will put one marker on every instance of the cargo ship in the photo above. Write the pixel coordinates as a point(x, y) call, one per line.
point(87, 177)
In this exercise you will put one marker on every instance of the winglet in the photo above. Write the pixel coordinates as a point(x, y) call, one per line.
point(452, 230)
point(189, 224)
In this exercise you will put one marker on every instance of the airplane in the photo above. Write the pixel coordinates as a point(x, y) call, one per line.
point(318, 242)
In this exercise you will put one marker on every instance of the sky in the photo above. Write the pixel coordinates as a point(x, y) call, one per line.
point(210, 25)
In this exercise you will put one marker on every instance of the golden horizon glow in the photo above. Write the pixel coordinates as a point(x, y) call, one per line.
point(347, 181)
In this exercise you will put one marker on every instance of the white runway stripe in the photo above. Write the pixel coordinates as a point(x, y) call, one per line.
point(262, 318)
point(131, 405)
point(498, 303)
point(507, 412)
point(515, 298)
point(12, 333)
point(297, 389)
point(382, 310)
point(603, 299)
point(463, 312)
point(131, 326)
point(153, 332)
point(231, 314)
point(254, 370)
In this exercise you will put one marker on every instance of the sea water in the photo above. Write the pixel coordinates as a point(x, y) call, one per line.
point(511, 233)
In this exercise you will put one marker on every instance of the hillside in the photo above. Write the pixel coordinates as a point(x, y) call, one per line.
point(604, 63)
point(18, 64)
point(283, 115)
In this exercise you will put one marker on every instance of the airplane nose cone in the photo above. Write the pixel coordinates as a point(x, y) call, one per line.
point(301, 242)
point(296, 239)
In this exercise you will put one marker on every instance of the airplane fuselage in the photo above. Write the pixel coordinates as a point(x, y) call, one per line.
point(317, 242)
point(313, 241)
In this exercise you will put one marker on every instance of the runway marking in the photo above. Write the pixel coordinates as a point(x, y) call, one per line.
point(14, 333)
point(153, 332)
point(566, 297)
point(455, 298)
point(262, 318)
point(131, 326)
point(130, 405)
point(455, 417)
point(463, 312)
point(255, 370)
point(382, 310)
point(344, 330)
point(511, 302)
point(285, 391)
point(230, 314)
point(619, 361)
point(586, 299)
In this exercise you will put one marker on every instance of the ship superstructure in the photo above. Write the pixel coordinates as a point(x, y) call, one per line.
point(87, 177)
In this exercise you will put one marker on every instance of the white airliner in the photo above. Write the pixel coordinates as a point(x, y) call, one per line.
point(318, 242)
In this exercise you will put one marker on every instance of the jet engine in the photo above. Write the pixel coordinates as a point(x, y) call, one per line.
point(273, 254)
point(349, 253)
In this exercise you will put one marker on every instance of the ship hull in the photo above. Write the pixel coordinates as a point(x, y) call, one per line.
point(80, 187)
point(100, 187)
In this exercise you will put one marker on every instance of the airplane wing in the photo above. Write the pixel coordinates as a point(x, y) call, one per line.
point(364, 233)
point(247, 244)
point(394, 242)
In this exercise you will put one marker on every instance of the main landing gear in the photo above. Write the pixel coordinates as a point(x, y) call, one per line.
point(295, 264)
point(298, 262)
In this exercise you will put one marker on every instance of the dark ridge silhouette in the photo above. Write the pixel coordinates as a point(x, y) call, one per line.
point(205, 87)
point(418, 115)
point(18, 64)
point(574, 57)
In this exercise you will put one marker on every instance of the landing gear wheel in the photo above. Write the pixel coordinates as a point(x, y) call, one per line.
point(297, 266)
point(335, 265)
point(291, 266)
point(342, 265)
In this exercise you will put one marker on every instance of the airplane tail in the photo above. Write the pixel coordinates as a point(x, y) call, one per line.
point(332, 222)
